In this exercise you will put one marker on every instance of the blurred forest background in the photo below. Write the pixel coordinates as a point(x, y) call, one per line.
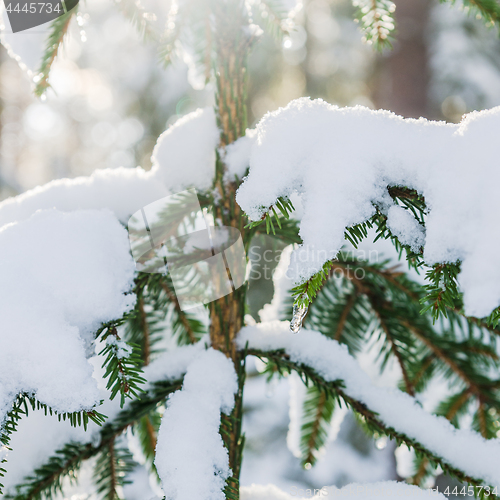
point(110, 100)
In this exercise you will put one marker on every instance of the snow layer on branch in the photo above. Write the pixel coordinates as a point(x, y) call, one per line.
point(237, 155)
point(405, 227)
point(189, 444)
point(367, 491)
point(183, 157)
point(185, 154)
point(341, 161)
point(62, 276)
point(462, 449)
point(172, 365)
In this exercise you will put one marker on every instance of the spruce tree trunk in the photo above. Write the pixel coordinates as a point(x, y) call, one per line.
point(232, 43)
point(402, 82)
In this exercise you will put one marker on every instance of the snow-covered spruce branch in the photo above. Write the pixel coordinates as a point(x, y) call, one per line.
point(47, 479)
point(390, 412)
point(156, 303)
point(123, 366)
point(488, 9)
point(208, 389)
point(318, 408)
point(442, 288)
point(447, 302)
point(376, 19)
point(308, 146)
point(21, 408)
point(334, 392)
point(385, 304)
point(114, 463)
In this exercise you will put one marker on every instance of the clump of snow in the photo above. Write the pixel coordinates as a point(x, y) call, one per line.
point(184, 157)
point(121, 348)
point(462, 449)
point(189, 444)
point(122, 190)
point(39, 436)
point(63, 274)
point(405, 461)
point(341, 161)
point(185, 153)
point(237, 155)
point(405, 227)
point(172, 365)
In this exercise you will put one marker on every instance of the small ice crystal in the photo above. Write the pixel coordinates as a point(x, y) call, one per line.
point(298, 316)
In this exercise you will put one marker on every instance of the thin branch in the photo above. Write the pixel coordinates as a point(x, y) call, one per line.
point(458, 404)
point(343, 317)
point(371, 418)
point(151, 432)
point(316, 427)
point(36, 488)
point(483, 428)
point(421, 472)
point(402, 192)
point(146, 350)
point(112, 469)
point(394, 349)
point(180, 312)
point(59, 29)
point(440, 354)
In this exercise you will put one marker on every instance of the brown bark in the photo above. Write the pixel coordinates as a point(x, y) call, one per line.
point(232, 42)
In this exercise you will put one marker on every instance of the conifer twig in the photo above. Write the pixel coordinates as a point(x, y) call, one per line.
point(370, 418)
point(58, 30)
point(182, 315)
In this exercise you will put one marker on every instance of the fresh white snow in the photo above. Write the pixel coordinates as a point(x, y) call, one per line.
point(236, 155)
point(463, 449)
point(184, 157)
point(63, 274)
point(190, 456)
point(185, 153)
point(341, 160)
point(173, 364)
point(405, 227)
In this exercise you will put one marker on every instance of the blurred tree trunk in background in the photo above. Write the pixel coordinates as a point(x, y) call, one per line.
point(402, 77)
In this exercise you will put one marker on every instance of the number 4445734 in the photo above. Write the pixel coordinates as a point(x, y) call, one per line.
point(34, 7)
point(471, 491)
